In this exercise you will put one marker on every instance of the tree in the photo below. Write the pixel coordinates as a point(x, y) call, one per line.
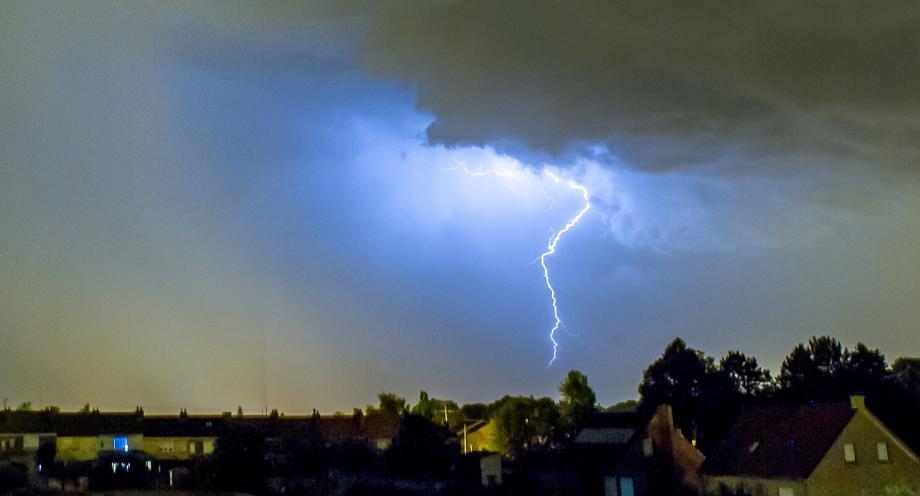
point(86, 409)
point(677, 378)
point(433, 409)
point(906, 372)
point(522, 422)
point(813, 372)
point(743, 375)
point(474, 411)
point(422, 447)
point(578, 401)
point(864, 369)
point(824, 370)
point(44, 456)
point(25, 406)
point(390, 405)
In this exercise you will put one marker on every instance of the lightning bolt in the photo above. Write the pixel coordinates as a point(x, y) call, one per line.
point(553, 240)
point(551, 249)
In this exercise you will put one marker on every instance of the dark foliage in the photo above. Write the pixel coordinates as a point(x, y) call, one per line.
point(422, 448)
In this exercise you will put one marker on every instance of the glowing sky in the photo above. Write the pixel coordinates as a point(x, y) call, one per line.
point(213, 204)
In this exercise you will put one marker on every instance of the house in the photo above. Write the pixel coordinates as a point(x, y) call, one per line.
point(834, 449)
point(635, 453)
point(658, 460)
point(479, 436)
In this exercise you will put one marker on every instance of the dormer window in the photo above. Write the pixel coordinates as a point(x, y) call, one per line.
point(849, 452)
point(882, 448)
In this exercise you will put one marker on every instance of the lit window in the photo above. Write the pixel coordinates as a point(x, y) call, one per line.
point(882, 448)
point(849, 453)
point(626, 487)
point(753, 447)
point(786, 491)
point(196, 447)
point(648, 449)
point(121, 444)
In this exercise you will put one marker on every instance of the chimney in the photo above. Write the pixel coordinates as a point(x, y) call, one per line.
point(858, 402)
point(665, 414)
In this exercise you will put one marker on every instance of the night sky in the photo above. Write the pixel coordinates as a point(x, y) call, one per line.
point(211, 204)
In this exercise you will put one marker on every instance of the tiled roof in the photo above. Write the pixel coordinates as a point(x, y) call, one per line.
point(779, 441)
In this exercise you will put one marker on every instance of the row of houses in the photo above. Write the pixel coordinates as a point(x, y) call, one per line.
point(166, 445)
point(833, 449)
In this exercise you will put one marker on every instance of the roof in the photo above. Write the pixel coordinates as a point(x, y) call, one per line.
point(781, 442)
point(331, 428)
point(70, 424)
point(612, 428)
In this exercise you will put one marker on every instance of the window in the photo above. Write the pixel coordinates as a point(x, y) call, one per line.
point(626, 487)
point(196, 447)
point(610, 486)
point(849, 453)
point(648, 449)
point(121, 443)
point(882, 448)
point(786, 491)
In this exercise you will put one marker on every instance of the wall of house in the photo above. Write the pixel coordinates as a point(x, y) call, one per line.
point(712, 485)
point(176, 448)
point(483, 438)
point(77, 448)
point(834, 476)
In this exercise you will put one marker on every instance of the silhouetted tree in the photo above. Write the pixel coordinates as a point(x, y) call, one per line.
point(743, 375)
point(677, 378)
point(44, 457)
point(25, 406)
point(578, 401)
point(433, 409)
point(812, 372)
point(906, 371)
point(864, 369)
point(86, 409)
point(390, 405)
point(421, 448)
point(474, 411)
point(239, 460)
point(521, 422)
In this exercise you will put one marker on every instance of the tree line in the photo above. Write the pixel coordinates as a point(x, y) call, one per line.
point(705, 394)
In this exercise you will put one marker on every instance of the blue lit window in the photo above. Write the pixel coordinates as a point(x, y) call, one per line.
point(121, 444)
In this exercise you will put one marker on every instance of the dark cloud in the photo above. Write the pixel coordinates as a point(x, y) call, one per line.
point(665, 84)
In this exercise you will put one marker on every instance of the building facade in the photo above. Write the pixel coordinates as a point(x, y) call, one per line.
point(812, 450)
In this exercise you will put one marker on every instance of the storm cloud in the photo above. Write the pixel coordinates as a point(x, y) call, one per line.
point(727, 85)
